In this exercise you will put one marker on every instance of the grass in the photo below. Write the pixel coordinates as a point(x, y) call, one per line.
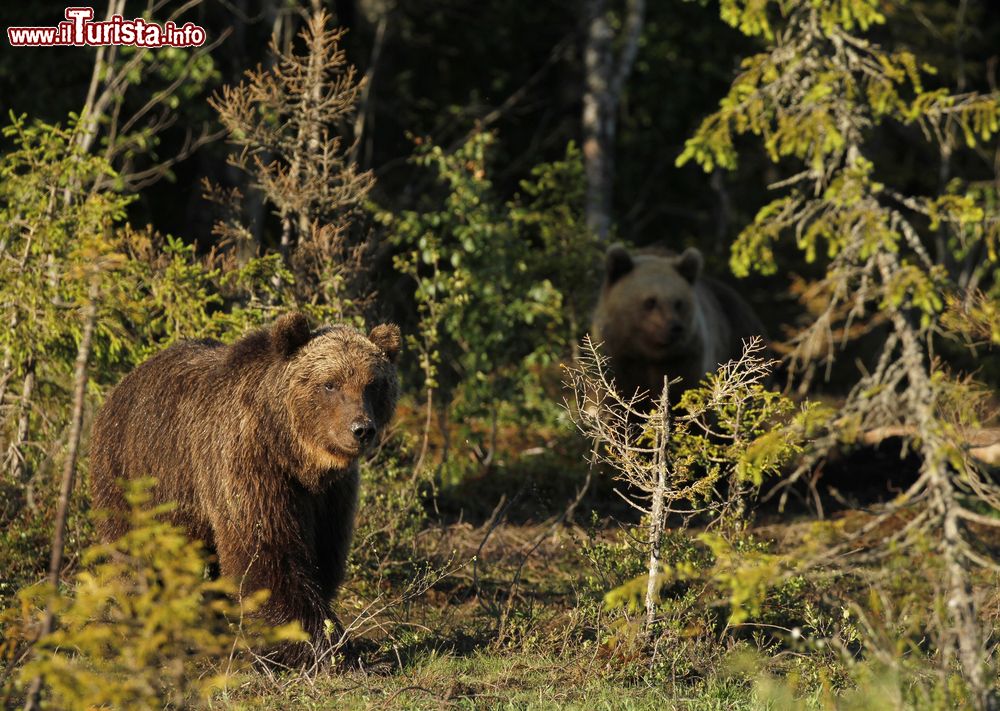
point(502, 681)
point(476, 640)
point(511, 626)
point(518, 624)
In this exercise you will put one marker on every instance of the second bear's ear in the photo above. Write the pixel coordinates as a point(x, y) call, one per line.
point(387, 337)
point(689, 264)
point(289, 333)
point(617, 262)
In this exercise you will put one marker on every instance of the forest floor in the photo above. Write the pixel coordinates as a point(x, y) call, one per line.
point(512, 627)
point(493, 597)
point(509, 614)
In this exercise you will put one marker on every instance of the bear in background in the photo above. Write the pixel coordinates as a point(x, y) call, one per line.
point(657, 315)
point(258, 444)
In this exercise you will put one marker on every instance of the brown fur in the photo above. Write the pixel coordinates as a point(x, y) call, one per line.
point(254, 443)
point(658, 315)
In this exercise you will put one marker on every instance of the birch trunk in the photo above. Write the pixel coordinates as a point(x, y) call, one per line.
point(605, 76)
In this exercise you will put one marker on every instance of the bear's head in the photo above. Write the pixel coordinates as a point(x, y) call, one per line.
point(647, 307)
point(342, 388)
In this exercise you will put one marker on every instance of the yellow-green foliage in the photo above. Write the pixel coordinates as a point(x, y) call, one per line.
point(756, 17)
point(747, 573)
point(761, 430)
point(67, 230)
point(140, 626)
point(730, 434)
point(55, 245)
point(808, 97)
point(980, 318)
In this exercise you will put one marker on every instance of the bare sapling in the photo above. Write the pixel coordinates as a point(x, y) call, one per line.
point(699, 459)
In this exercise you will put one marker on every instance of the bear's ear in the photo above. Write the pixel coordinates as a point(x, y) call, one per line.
point(387, 337)
point(289, 333)
point(617, 263)
point(689, 264)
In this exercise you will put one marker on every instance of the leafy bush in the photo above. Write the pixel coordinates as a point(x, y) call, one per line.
point(499, 288)
point(139, 625)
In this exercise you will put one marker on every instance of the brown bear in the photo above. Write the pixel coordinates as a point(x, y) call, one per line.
point(257, 443)
point(657, 315)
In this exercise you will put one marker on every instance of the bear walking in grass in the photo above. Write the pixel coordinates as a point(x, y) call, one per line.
point(658, 315)
point(258, 444)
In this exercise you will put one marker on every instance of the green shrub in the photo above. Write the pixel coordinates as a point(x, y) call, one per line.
point(140, 626)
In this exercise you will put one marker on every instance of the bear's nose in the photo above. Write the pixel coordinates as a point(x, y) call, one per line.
point(676, 329)
point(363, 431)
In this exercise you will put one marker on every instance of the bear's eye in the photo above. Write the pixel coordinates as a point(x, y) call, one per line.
point(329, 387)
point(650, 303)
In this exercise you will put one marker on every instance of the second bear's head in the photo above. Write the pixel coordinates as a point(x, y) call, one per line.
point(341, 387)
point(648, 305)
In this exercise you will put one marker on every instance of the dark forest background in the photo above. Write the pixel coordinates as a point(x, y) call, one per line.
point(444, 68)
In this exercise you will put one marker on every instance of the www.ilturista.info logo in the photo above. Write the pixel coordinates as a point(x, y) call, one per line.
point(78, 31)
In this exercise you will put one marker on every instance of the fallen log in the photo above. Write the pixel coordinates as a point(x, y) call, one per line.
point(981, 444)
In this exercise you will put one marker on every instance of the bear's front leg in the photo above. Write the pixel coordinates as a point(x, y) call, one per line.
point(335, 530)
point(290, 572)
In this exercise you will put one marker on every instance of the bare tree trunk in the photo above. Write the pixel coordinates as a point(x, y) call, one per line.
point(285, 246)
point(656, 513)
point(597, 65)
point(363, 133)
point(605, 76)
point(69, 473)
point(281, 34)
point(7, 369)
point(966, 625)
point(723, 212)
point(252, 207)
point(309, 130)
point(295, 226)
point(15, 453)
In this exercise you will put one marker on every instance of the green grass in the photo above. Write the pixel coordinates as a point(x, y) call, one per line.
point(494, 681)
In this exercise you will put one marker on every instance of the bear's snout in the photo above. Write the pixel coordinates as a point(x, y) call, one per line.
point(363, 431)
point(665, 332)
